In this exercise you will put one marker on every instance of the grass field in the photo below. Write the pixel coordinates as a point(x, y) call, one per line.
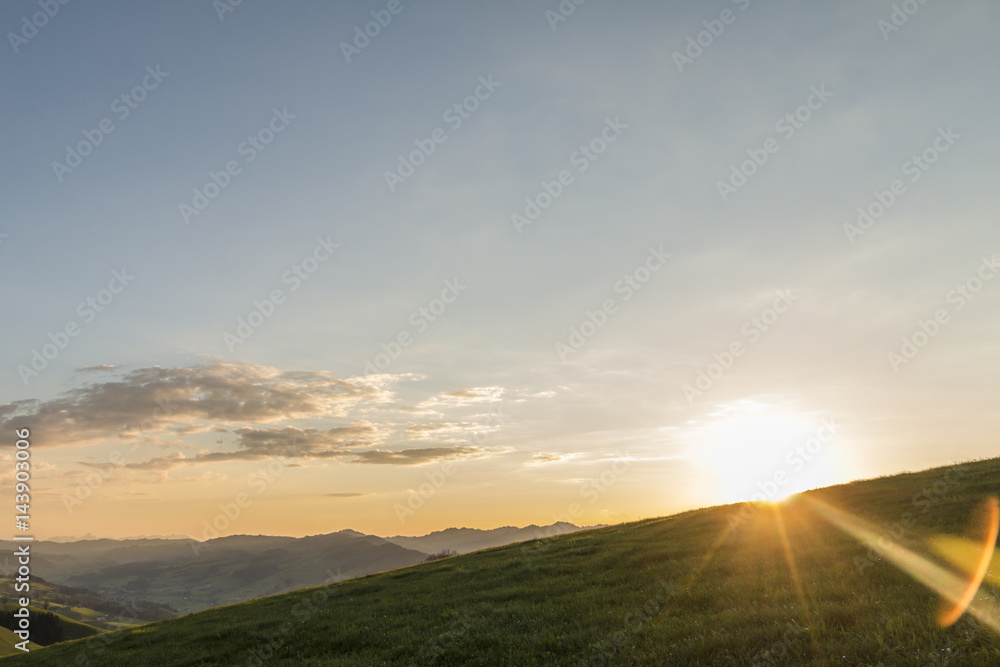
point(77, 621)
point(7, 641)
point(733, 585)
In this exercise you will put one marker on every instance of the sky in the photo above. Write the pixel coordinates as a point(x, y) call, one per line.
point(293, 268)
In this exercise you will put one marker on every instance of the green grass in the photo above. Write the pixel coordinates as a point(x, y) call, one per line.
point(83, 614)
point(78, 621)
point(7, 641)
point(667, 591)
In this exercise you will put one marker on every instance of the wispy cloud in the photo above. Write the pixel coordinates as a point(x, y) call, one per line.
point(463, 397)
point(190, 400)
point(545, 457)
point(416, 456)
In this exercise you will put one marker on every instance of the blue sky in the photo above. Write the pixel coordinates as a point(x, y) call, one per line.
point(890, 96)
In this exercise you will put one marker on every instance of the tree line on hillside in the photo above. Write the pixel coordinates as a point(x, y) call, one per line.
point(46, 628)
point(68, 597)
point(143, 610)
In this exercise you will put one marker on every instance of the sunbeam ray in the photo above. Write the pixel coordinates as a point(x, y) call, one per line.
point(800, 592)
point(954, 589)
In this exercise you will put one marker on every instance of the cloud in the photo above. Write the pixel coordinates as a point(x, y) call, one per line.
point(462, 397)
point(473, 395)
point(286, 442)
point(304, 444)
point(477, 431)
point(419, 411)
point(345, 495)
point(204, 478)
point(11, 409)
point(411, 457)
point(244, 400)
point(545, 457)
point(97, 369)
point(525, 397)
point(291, 441)
point(189, 400)
point(425, 431)
point(159, 463)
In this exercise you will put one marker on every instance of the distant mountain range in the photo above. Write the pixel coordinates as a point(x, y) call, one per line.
point(465, 540)
point(189, 575)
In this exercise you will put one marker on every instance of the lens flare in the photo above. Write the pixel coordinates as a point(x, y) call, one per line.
point(990, 513)
point(958, 593)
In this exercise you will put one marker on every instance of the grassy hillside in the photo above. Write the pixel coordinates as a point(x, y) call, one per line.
point(709, 587)
point(466, 540)
point(73, 629)
point(83, 605)
point(69, 605)
point(7, 641)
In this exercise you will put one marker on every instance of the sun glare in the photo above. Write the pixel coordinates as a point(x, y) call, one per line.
point(761, 452)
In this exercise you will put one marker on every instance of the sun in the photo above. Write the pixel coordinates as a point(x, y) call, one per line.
point(755, 451)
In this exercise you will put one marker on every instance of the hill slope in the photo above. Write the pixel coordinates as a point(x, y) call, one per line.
point(8, 640)
point(466, 540)
point(84, 606)
point(709, 587)
point(187, 575)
